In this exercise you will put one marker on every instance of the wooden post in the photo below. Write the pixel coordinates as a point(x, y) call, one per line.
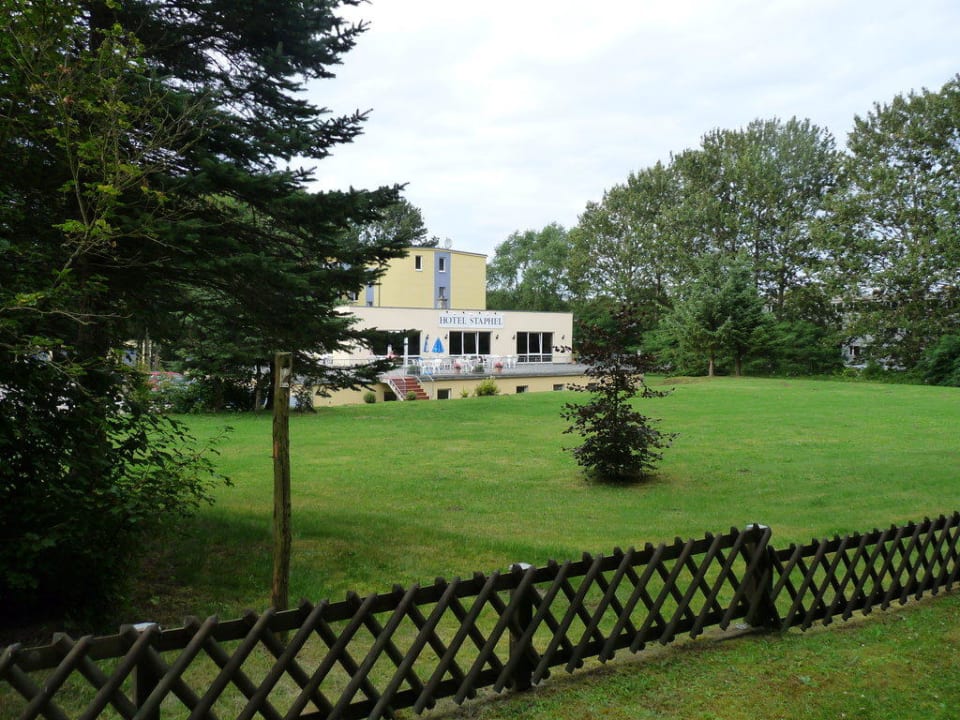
point(523, 675)
point(145, 675)
point(282, 371)
point(759, 589)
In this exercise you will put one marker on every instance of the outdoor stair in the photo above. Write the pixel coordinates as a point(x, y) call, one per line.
point(404, 384)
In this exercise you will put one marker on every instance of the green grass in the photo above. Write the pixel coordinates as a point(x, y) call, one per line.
point(404, 492)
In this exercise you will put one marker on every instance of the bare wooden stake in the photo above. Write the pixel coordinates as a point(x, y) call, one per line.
point(282, 372)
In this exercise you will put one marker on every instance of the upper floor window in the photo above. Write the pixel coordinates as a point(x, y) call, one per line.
point(418, 262)
point(441, 264)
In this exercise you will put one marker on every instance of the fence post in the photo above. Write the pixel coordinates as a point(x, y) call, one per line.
point(522, 678)
point(759, 583)
point(146, 677)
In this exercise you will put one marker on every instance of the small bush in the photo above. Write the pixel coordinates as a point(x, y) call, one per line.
point(411, 395)
point(941, 363)
point(619, 443)
point(464, 393)
point(303, 400)
point(486, 388)
point(369, 397)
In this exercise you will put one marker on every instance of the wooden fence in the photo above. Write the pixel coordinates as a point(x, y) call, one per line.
point(368, 657)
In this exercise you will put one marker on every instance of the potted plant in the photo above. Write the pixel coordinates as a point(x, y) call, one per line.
point(457, 367)
point(497, 366)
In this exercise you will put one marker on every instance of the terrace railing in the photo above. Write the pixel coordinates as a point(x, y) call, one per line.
point(368, 657)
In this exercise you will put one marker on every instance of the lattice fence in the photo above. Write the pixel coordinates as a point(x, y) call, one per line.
point(368, 657)
point(831, 578)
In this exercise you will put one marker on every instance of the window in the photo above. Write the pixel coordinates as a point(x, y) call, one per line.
point(469, 343)
point(535, 347)
point(418, 262)
point(522, 388)
point(443, 394)
point(559, 387)
point(441, 264)
point(441, 293)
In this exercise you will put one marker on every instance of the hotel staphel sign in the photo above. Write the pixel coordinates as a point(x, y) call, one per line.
point(471, 320)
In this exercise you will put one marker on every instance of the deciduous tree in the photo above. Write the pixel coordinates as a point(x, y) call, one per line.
point(894, 223)
point(529, 271)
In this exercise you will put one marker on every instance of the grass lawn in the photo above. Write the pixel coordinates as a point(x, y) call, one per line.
point(404, 492)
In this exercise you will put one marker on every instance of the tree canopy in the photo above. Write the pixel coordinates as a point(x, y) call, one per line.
point(401, 222)
point(855, 246)
point(150, 188)
point(894, 222)
point(529, 271)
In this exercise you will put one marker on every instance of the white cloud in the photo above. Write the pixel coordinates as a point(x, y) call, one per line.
point(505, 116)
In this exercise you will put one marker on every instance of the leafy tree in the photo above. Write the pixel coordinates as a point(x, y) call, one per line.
point(758, 191)
point(529, 271)
point(146, 191)
point(893, 225)
point(401, 222)
point(940, 364)
point(620, 444)
point(625, 247)
point(719, 314)
point(795, 347)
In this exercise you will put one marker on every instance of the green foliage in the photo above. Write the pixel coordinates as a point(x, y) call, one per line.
point(146, 193)
point(369, 397)
point(303, 399)
point(756, 192)
point(891, 231)
point(86, 473)
point(529, 271)
point(401, 222)
point(797, 348)
point(411, 395)
point(941, 363)
point(619, 443)
point(486, 388)
point(720, 314)
point(626, 247)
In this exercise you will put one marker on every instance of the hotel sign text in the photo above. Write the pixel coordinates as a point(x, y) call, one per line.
point(471, 320)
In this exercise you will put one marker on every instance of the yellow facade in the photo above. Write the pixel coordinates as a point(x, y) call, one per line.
point(456, 388)
point(433, 278)
point(430, 309)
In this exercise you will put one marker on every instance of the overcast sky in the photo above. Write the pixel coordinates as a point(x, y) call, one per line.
point(508, 115)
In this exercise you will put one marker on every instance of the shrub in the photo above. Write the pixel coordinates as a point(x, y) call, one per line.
point(113, 468)
point(303, 399)
point(941, 363)
point(411, 395)
point(369, 397)
point(619, 443)
point(486, 388)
